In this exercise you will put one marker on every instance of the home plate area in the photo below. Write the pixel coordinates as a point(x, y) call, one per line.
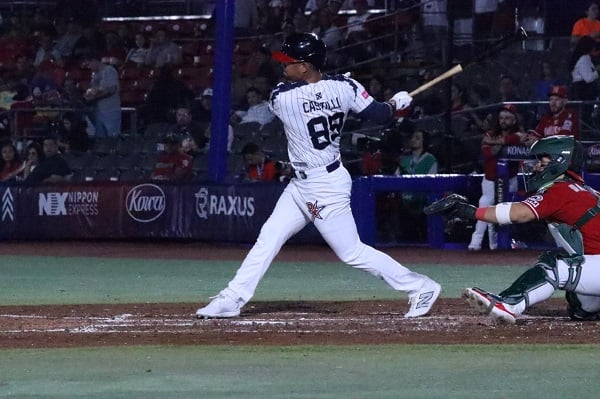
point(282, 323)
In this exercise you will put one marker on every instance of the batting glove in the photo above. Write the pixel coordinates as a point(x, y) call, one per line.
point(401, 100)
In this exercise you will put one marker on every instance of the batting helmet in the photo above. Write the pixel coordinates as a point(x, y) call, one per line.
point(565, 153)
point(302, 47)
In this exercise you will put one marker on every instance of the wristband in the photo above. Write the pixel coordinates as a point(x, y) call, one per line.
point(480, 213)
point(503, 213)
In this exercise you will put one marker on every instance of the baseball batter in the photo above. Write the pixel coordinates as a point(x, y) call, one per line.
point(313, 107)
point(560, 197)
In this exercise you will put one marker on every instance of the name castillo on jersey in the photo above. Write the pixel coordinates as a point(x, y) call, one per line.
point(311, 106)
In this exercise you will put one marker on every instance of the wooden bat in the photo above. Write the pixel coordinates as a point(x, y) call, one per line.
point(449, 73)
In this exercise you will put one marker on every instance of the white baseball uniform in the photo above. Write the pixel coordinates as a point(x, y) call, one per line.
point(313, 115)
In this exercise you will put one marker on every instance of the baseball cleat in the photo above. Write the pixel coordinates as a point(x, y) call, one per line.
point(221, 306)
point(490, 304)
point(423, 300)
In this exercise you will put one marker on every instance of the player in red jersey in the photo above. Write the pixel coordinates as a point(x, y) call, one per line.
point(559, 120)
point(561, 198)
point(173, 164)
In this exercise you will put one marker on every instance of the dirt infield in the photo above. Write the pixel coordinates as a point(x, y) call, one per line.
point(275, 323)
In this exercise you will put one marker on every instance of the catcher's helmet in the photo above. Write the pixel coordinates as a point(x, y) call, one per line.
point(302, 47)
point(565, 153)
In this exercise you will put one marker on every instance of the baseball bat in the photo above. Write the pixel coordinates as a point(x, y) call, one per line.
point(449, 73)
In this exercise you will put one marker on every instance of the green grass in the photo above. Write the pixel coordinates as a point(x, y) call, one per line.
point(34, 280)
point(397, 371)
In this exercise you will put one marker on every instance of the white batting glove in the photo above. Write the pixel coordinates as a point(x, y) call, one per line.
point(401, 100)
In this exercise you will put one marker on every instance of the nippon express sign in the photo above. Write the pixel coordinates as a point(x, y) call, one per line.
point(73, 203)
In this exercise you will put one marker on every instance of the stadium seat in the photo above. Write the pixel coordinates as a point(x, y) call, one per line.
point(132, 175)
point(105, 145)
point(78, 163)
point(156, 130)
point(110, 174)
point(129, 161)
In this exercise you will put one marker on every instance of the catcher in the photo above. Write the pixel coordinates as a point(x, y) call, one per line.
point(559, 196)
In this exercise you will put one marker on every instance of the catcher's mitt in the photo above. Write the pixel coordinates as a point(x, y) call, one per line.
point(445, 204)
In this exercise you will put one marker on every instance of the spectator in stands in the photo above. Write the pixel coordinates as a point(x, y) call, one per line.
point(289, 9)
point(10, 163)
point(72, 134)
point(52, 168)
point(202, 107)
point(245, 17)
point(434, 22)
point(45, 82)
point(33, 156)
point(376, 88)
point(105, 97)
point(588, 25)
point(258, 109)
point(479, 96)
point(230, 138)
point(507, 89)
point(583, 71)
point(65, 43)
point(114, 52)
point(545, 82)
point(46, 52)
point(559, 120)
point(417, 160)
point(71, 95)
point(125, 36)
point(331, 35)
point(22, 73)
point(167, 94)
point(269, 20)
point(506, 132)
point(313, 6)
point(137, 55)
point(163, 51)
point(91, 41)
point(259, 167)
point(357, 30)
point(172, 164)
point(458, 97)
point(191, 133)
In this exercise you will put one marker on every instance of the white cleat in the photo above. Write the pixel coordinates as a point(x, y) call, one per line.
point(423, 300)
point(490, 304)
point(221, 306)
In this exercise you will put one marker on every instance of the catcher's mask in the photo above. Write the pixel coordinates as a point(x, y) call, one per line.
point(564, 152)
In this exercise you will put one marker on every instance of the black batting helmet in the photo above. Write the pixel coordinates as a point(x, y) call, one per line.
point(302, 47)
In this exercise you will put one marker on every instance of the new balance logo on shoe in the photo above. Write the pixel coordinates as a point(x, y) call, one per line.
point(424, 300)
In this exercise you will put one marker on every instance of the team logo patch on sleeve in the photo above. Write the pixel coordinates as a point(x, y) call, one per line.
point(365, 94)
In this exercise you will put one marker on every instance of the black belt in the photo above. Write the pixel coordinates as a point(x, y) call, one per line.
point(300, 174)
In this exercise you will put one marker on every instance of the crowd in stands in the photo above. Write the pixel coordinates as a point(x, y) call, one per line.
point(70, 78)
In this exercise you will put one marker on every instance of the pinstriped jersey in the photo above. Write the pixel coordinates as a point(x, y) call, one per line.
point(313, 116)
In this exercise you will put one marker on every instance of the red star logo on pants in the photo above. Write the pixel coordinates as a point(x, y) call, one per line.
point(315, 210)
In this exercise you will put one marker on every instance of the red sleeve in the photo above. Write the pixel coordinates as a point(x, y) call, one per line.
point(512, 139)
point(486, 151)
point(270, 172)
